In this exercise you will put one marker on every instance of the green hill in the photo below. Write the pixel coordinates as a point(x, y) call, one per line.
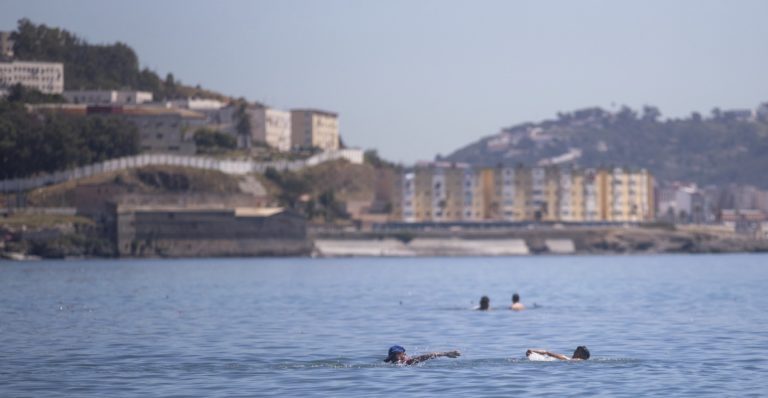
point(727, 147)
point(90, 66)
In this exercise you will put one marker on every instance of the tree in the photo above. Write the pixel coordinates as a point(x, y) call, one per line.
point(26, 95)
point(372, 157)
point(211, 141)
point(651, 113)
point(243, 119)
point(42, 142)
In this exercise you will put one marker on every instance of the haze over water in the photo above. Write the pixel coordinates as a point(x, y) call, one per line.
point(656, 325)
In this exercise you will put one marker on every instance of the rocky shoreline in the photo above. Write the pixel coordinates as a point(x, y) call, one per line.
point(541, 241)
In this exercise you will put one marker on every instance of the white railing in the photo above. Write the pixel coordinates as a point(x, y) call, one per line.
point(228, 166)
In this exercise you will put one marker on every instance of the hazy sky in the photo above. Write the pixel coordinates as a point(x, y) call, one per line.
point(416, 78)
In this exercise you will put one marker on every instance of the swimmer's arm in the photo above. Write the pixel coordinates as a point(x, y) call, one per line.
point(547, 353)
point(431, 355)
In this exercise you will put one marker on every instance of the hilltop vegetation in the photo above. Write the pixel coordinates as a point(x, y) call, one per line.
point(91, 66)
point(32, 143)
point(721, 149)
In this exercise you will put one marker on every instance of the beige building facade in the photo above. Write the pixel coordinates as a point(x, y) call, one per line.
point(312, 128)
point(271, 127)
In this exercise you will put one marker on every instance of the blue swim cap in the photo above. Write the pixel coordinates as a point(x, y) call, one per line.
point(395, 349)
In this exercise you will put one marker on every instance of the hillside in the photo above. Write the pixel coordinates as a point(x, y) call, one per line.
point(91, 66)
point(151, 180)
point(727, 147)
point(325, 192)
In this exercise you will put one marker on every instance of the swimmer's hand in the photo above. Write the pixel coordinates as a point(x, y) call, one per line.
point(452, 354)
point(536, 351)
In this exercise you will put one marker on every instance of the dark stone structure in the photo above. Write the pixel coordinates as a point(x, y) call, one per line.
point(204, 232)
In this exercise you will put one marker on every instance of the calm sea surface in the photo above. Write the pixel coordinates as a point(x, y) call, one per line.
point(656, 325)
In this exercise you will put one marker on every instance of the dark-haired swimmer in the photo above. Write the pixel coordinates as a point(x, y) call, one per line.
point(581, 353)
point(516, 304)
point(397, 355)
point(485, 304)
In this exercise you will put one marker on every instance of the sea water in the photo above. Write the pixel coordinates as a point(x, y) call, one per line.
point(684, 325)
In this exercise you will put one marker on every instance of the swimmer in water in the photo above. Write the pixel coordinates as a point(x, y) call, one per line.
point(485, 304)
point(397, 355)
point(581, 353)
point(516, 304)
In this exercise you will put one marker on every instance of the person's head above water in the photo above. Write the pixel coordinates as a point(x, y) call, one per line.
point(485, 303)
point(515, 298)
point(581, 352)
point(396, 354)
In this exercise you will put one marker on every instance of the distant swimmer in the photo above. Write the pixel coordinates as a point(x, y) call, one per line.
point(581, 353)
point(397, 355)
point(485, 304)
point(516, 304)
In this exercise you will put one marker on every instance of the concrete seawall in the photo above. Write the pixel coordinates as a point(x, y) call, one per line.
point(615, 240)
point(421, 247)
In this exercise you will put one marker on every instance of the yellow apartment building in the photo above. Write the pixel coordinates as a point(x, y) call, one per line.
point(449, 192)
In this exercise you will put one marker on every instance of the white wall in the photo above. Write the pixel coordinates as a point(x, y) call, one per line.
point(228, 166)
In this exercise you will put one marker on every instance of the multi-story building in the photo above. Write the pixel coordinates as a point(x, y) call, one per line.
point(270, 126)
point(536, 206)
point(312, 128)
point(593, 197)
point(570, 199)
point(473, 197)
point(161, 130)
point(503, 205)
point(422, 198)
point(46, 77)
point(454, 198)
point(629, 195)
point(446, 192)
point(108, 97)
point(552, 194)
point(197, 104)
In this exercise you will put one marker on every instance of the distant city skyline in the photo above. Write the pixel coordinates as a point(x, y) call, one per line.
point(416, 79)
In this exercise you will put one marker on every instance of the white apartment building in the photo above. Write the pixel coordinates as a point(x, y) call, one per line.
point(472, 195)
point(312, 128)
point(566, 197)
point(408, 198)
point(538, 192)
point(271, 127)
point(439, 199)
point(508, 193)
point(46, 77)
point(197, 104)
point(108, 97)
point(591, 200)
